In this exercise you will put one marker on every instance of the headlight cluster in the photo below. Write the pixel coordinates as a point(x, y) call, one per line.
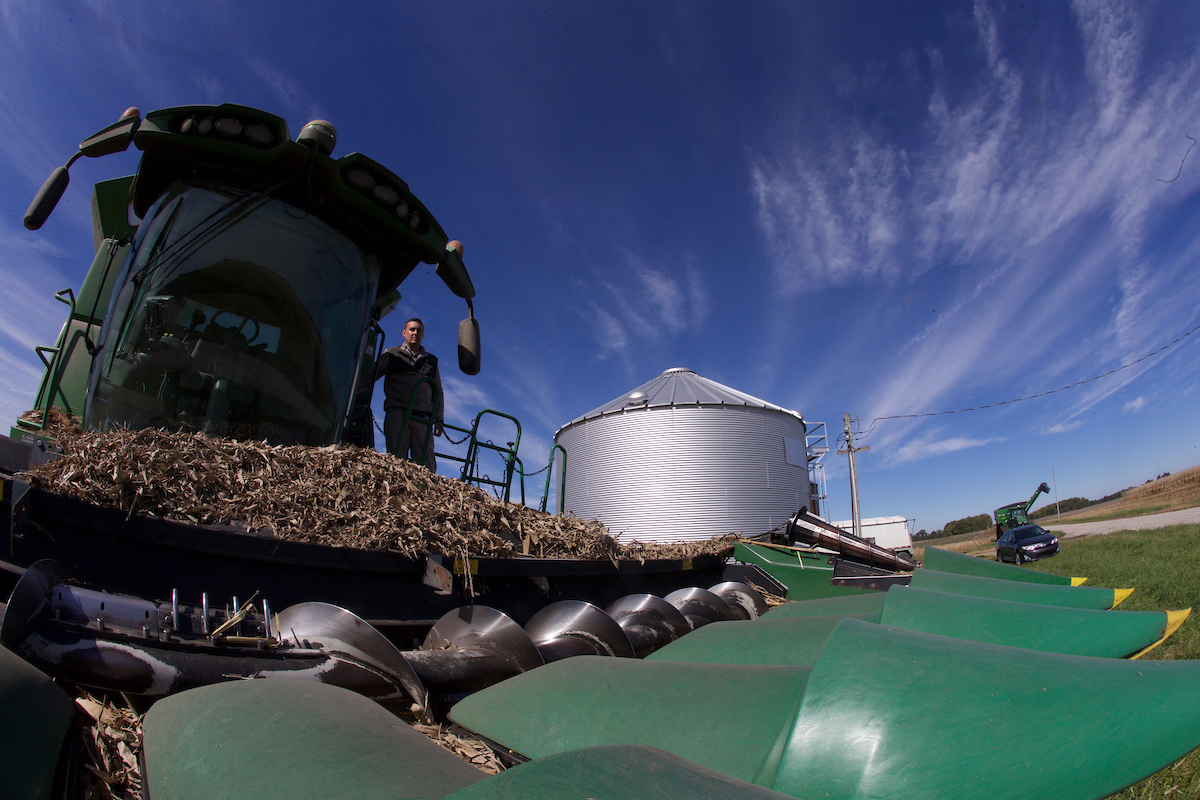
point(229, 128)
point(383, 193)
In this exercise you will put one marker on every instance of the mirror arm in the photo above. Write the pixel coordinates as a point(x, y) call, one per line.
point(113, 139)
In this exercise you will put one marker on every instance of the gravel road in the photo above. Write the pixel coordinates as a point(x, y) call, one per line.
point(1079, 529)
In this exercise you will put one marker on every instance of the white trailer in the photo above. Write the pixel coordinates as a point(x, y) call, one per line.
point(893, 533)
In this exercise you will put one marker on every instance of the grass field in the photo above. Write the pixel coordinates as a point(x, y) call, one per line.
point(1163, 566)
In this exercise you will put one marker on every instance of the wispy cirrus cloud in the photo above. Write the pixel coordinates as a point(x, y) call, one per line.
point(1015, 203)
point(921, 450)
point(644, 305)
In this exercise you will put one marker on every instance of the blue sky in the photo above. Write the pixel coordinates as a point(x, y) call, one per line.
point(878, 209)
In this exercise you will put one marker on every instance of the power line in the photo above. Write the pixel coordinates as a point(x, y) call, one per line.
point(1039, 394)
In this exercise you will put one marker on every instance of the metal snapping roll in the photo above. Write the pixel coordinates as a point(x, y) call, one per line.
point(29, 601)
point(743, 600)
point(340, 632)
point(700, 606)
point(472, 647)
point(575, 628)
point(649, 621)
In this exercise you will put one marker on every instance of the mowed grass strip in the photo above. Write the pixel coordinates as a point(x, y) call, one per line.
point(1163, 565)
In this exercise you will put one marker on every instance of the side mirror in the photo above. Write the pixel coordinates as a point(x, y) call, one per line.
point(468, 345)
point(113, 139)
point(47, 198)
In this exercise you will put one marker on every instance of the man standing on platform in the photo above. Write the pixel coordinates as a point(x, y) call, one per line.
point(403, 366)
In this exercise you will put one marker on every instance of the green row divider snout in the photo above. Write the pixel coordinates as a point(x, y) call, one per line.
point(948, 561)
point(1048, 595)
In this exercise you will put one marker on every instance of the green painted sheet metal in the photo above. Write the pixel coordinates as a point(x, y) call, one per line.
point(884, 713)
point(785, 640)
point(728, 718)
point(1067, 596)
point(1052, 629)
point(285, 739)
point(946, 561)
point(896, 714)
point(34, 716)
point(807, 575)
point(616, 772)
point(866, 603)
point(781, 641)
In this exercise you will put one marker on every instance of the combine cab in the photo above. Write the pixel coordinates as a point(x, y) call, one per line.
point(238, 281)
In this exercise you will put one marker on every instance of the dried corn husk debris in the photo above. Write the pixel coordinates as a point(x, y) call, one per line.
point(771, 600)
point(59, 425)
point(459, 741)
point(343, 496)
point(112, 738)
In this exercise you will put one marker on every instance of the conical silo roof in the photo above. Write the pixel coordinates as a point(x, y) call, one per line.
point(676, 387)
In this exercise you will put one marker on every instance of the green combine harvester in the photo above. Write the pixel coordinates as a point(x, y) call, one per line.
point(236, 289)
point(1015, 515)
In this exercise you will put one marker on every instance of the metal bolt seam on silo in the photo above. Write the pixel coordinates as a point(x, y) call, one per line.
point(683, 458)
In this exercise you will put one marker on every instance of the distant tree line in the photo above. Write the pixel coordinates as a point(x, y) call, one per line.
point(978, 522)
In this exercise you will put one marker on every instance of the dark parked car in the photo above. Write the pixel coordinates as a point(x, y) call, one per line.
point(1026, 543)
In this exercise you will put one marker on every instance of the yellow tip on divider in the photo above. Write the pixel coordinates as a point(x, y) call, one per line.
point(1119, 596)
point(1174, 620)
point(1078, 581)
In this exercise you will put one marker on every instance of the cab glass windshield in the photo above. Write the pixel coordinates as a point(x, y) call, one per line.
point(238, 316)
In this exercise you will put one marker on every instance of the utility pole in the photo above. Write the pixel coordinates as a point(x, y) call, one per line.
point(1057, 507)
point(851, 450)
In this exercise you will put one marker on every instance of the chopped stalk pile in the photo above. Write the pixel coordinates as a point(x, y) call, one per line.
point(342, 496)
point(111, 737)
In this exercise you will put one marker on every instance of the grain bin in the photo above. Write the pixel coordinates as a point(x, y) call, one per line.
point(683, 458)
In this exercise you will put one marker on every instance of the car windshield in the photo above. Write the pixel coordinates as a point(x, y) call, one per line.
point(252, 333)
point(1032, 532)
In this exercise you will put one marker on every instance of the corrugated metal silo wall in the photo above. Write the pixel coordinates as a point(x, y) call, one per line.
point(692, 472)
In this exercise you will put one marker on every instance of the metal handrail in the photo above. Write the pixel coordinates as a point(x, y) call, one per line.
point(562, 481)
point(509, 454)
point(53, 366)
